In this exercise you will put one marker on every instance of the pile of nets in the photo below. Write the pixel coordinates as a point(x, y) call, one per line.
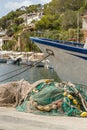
point(13, 93)
point(53, 98)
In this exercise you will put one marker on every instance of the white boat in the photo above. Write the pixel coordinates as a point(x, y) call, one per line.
point(3, 58)
point(37, 60)
point(69, 59)
point(14, 59)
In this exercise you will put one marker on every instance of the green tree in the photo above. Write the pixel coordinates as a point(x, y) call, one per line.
point(69, 20)
point(10, 32)
point(46, 22)
point(10, 45)
point(18, 21)
point(33, 8)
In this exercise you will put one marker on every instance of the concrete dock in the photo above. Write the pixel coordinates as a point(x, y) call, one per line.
point(11, 119)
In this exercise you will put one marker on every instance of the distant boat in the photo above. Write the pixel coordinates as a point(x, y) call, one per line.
point(38, 60)
point(2, 58)
point(69, 59)
point(15, 59)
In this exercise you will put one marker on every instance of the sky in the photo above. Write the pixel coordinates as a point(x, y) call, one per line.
point(11, 5)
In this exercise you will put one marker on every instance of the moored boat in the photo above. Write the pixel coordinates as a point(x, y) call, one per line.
point(14, 60)
point(69, 59)
point(3, 59)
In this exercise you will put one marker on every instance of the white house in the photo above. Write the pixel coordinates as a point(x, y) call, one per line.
point(1, 43)
point(28, 18)
point(2, 33)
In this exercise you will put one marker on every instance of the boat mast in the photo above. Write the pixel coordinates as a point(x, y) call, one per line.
point(78, 27)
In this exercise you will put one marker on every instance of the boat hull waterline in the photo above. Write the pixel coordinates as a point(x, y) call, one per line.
point(69, 62)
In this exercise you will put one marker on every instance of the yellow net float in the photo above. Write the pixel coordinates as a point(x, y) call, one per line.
point(34, 90)
point(78, 106)
point(47, 108)
point(75, 101)
point(48, 80)
point(40, 107)
point(70, 97)
point(83, 114)
point(65, 94)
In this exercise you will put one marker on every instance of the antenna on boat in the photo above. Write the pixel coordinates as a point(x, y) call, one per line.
point(78, 27)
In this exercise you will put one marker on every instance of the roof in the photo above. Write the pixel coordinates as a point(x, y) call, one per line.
point(85, 16)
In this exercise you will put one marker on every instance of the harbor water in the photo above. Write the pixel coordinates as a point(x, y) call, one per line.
point(10, 72)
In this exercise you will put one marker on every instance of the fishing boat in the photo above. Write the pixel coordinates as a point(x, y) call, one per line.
point(36, 58)
point(14, 59)
point(69, 59)
point(3, 58)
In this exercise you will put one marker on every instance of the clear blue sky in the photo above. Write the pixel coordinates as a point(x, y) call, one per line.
point(8, 5)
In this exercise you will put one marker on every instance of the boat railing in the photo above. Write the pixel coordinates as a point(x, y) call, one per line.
point(65, 42)
point(74, 44)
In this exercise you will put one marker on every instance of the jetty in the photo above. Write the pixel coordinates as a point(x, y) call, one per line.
point(24, 57)
point(11, 119)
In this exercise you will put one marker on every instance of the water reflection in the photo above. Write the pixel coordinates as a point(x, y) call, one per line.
point(31, 75)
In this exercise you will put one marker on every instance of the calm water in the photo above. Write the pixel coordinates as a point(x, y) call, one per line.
point(31, 75)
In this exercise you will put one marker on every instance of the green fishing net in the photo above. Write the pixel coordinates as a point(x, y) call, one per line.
point(52, 98)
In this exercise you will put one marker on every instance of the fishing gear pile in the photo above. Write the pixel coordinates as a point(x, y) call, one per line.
point(12, 93)
point(53, 98)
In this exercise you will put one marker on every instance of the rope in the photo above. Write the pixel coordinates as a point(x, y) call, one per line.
point(13, 71)
point(81, 97)
point(34, 64)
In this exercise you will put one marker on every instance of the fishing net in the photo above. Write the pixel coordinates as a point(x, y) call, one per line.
point(12, 93)
point(45, 97)
point(52, 98)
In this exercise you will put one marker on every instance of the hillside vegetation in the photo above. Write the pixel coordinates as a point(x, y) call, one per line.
point(62, 19)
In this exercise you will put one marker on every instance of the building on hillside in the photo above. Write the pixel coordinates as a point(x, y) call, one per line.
point(2, 33)
point(4, 38)
point(28, 18)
